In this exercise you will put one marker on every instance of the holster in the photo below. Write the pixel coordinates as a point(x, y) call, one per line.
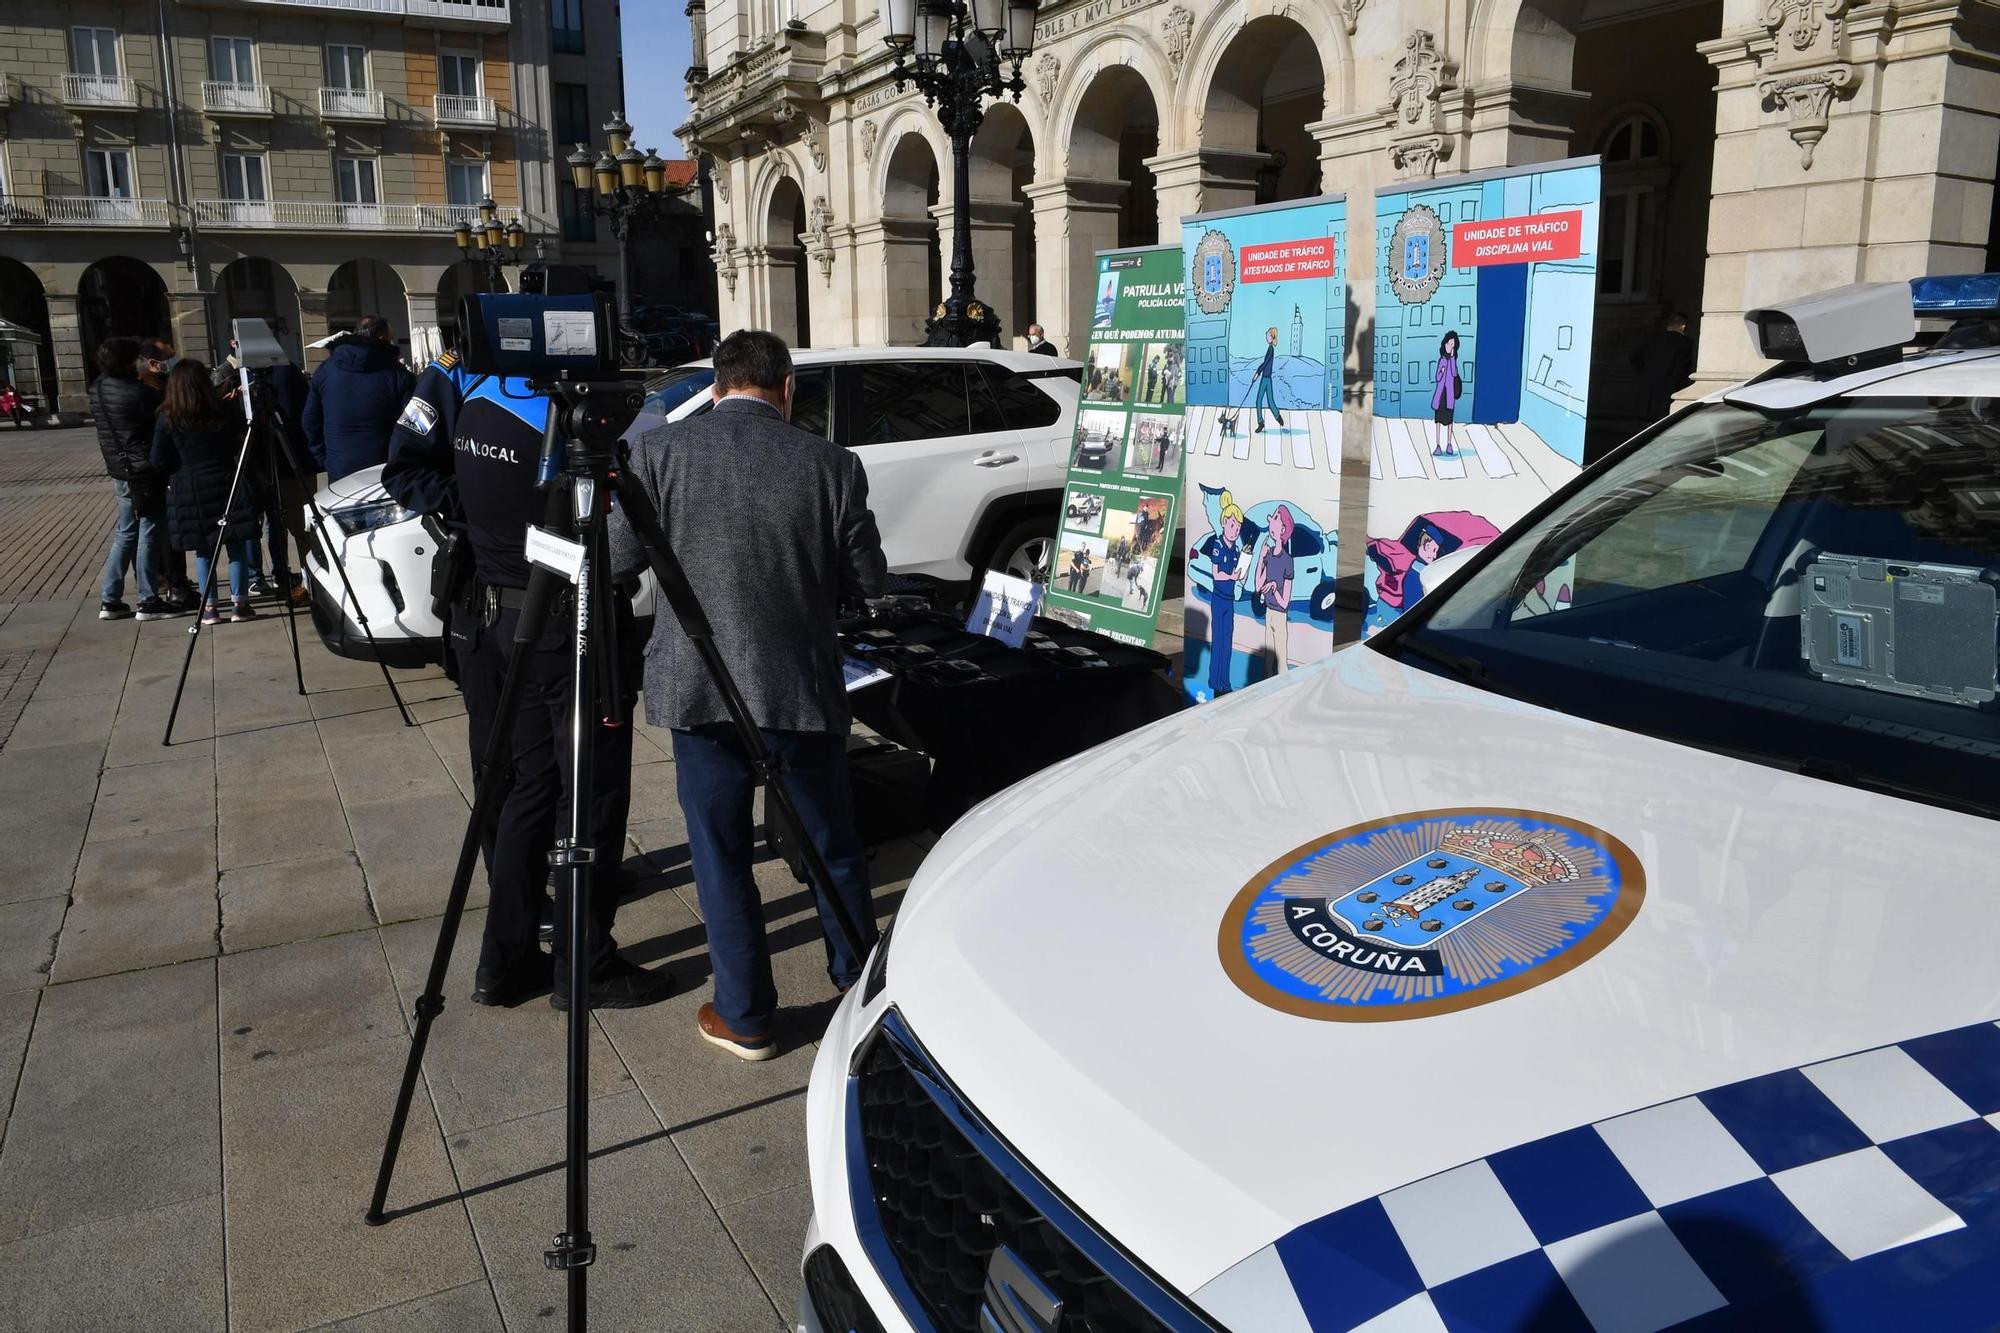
point(452, 581)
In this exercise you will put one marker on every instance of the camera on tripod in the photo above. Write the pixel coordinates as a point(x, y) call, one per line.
point(535, 336)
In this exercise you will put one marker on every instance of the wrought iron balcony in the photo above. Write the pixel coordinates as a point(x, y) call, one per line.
point(99, 90)
point(350, 104)
point(481, 14)
point(219, 98)
point(327, 215)
point(457, 109)
point(76, 210)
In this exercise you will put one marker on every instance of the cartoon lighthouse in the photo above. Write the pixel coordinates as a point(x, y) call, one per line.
point(1298, 332)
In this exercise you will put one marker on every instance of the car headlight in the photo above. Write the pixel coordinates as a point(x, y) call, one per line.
point(375, 514)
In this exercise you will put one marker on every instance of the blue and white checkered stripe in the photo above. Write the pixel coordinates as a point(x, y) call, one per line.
point(1859, 1193)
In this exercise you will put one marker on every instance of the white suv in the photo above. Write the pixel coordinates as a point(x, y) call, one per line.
point(966, 451)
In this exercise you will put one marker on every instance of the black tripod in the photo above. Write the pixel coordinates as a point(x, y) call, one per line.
point(263, 419)
point(585, 421)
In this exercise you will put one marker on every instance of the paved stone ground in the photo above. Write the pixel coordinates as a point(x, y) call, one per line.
point(208, 954)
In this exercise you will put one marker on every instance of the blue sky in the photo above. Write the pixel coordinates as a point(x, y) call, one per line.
point(656, 57)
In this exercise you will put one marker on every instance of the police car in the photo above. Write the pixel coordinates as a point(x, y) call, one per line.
point(1622, 964)
point(965, 450)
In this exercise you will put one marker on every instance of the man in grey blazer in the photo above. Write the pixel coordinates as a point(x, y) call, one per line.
point(773, 527)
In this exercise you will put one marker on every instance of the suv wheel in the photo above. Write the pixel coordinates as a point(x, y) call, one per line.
point(1027, 550)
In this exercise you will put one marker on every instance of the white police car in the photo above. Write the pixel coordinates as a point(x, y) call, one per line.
point(1616, 965)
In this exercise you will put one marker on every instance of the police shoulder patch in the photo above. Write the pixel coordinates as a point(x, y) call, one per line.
point(1428, 912)
point(446, 360)
point(418, 416)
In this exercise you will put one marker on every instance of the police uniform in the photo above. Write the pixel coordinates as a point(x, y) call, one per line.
point(466, 446)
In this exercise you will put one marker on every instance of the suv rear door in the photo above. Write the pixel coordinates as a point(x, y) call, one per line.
point(938, 449)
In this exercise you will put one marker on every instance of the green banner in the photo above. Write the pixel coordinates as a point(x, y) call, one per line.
point(1118, 509)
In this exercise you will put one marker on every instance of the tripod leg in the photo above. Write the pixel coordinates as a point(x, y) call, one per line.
point(208, 584)
point(666, 567)
point(495, 777)
point(271, 454)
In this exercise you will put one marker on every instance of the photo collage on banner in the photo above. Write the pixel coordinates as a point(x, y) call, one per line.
point(1485, 293)
point(1119, 506)
point(1266, 346)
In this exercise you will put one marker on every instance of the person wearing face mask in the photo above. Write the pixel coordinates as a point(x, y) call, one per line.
point(781, 519)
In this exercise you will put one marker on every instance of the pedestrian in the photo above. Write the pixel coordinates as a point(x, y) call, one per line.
point(1450, 387)
point(157, 358)
point(1274, 581)
point(1266, 392)
point(356, 395)
point(488, 495)
point(781, 516)
point(1664, 364)
point(12, 407)
point(123, 408)
point(1038, 343)
point(196, 447)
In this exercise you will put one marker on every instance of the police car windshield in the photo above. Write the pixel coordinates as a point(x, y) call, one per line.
point(1815, 591)
point(675, 387)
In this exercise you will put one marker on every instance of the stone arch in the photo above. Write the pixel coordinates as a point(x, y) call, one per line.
point(904, 123)
point(24, 301)
point(252, 287)
point(913, 256)
point(774, 171)
point(1263, 87)
point(1524, 41)
point(788, 302)
point(1114, 134)
point(1002, 167)
point(119, 296)
point(1216, 33)
point(1143, 65)
point(369, 287)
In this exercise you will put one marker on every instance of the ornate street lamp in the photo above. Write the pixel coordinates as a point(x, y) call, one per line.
point(627, 186)
point(953, 51)
point(492, 243)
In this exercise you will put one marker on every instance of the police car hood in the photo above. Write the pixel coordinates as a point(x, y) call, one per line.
point(356, 488)
point(1061, 954)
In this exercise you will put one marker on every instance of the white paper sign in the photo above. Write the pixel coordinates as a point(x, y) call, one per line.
point(860, 674)
point(569, 332)
point(562, 555)
point(1006, 608)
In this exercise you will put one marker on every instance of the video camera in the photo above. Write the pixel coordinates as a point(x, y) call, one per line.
point(535, 336)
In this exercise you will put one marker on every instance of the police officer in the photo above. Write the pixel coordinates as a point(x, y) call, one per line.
point(466, 447)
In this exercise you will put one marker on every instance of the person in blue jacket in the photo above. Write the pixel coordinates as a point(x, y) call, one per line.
point(356, 395)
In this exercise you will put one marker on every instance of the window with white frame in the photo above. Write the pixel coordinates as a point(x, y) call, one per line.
point(107, 173)
point(94, 51)
point(231, 60)
point(243, 177)
point(464, 183)
point(347, 67)
point(354, 180)
point(458, 74)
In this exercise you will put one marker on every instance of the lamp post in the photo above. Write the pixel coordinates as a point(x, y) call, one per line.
point(627, 186)
point(496, 246)
point(953, 50)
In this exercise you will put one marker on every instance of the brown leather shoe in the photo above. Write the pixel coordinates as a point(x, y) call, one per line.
point(718, 1033)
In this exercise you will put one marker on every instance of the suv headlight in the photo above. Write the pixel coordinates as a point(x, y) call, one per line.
point(358, 519)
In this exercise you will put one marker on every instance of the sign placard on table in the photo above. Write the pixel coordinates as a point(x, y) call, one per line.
point(1485, 297)
point(1119, 506)
point(1266, 348)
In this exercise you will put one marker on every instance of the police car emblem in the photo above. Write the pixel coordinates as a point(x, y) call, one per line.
point(1427, 913)
point(419, 416)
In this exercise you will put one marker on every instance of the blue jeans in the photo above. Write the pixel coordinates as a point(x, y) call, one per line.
point(135, 541)
point(241, 555)
point(1267, 398)
point(716, 785)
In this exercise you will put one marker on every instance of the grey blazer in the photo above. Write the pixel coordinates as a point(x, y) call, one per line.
point(773, 527)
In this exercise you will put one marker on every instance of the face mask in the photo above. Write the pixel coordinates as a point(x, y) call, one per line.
point(168, 364)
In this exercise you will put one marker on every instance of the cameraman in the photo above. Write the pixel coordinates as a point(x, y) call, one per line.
point(466, 446)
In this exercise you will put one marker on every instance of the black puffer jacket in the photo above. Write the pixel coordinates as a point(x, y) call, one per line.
point(199, 462)
point(124, 411)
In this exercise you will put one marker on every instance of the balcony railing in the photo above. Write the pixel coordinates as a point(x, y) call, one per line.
point(99, 90)
point(325, 215)
point(235, 99)
point(455, 109)
point(78, 210)
point(448, 13)
point(350, 104)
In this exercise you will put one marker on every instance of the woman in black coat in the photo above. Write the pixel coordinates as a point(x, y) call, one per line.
point(195, 446)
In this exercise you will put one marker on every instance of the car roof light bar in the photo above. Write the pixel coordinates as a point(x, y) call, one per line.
point(1956, 295)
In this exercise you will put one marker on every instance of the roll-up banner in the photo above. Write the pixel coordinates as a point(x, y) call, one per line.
point(1266, 345)
point(1486, 288)
point(1120, 501)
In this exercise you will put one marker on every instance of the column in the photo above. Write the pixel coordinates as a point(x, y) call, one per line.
point(1074, 219)
point(1202, 180)
point(313, 326)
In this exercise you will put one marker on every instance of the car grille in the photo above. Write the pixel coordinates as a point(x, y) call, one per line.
point(836, 1302)
point(943, 1208)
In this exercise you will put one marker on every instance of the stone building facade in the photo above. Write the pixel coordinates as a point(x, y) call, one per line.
point(167, 165)
point(1753, 149)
